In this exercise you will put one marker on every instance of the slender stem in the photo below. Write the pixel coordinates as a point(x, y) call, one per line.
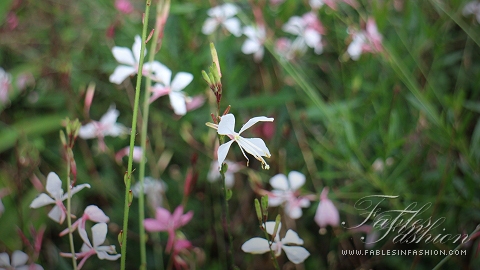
point(128, 178)
point(226, 217)
point(69, 154)
point(272, 253)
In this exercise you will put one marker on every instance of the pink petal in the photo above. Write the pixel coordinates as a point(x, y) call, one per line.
point(96, 214)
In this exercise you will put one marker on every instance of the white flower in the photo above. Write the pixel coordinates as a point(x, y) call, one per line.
point(286, 192)
point(254, 146)
point(5, 83)
point(295, 253)
point(129, 59)
point(107, 126)
point(368, 40)
point(214, 175)
point(93, 213)
point(19, 260)
point(308, 29)
point(222, 15)
point(56, 196)
point(99, 233)
point(472, 8)
point(173, 88)
point(254, 42)
point(153, 189)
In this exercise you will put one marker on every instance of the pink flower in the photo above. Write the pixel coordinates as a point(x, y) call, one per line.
point(327, 213)
point(308, 29)
point(180, 246)
point(93, 213)
point(286, 193)
point(124, 6)
point(195, 102)
point(12, 20)
point(137, 153)
point(55, 196)
point(368, 40)
point(166, 222)
point(99, 233)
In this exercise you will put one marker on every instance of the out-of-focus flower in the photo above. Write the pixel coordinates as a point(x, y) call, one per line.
point(93, 213)
point(107, 126)
point(153, 189)
point(222, 15)
point(12, 20)
point(214, 175)
point(166, 222)
point(369, 40)
point(286, 193)
point(129, 59)
point(194, 102)
point(137, 153)
point(295, 254)
point(327, 213)
point(254, 146)
point(5, 86)
point(254, 43)
point(180, 246)
point(19, 262)
point(290, 50)
point(124, 6)
point(173, 88)
point(308, 29)
point(472, 8)
point(55, 196)
point(379, 165)
point(99, 233)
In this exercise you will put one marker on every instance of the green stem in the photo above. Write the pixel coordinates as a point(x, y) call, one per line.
point(272, 253)
point(128, 178)
point(226, 217)
point(69, 207)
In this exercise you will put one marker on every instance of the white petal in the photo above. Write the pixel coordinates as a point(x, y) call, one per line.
point(54, 185)
point(255, 146)
point(137, 46)
point(256, 245)
point(87, 131)
point(103, 255)
point(181, 80)
point(99, 233)
point(110, 117)
point(229, 10)
point(74, 190)
point(209, 26)
point(226, 125)
point(296, 254)
point(253, 121)
point(116, 130)
point(121, 73)
point(250, 32)
point(123, 55)
point(4, 259)
point(270, 227)
point(275, 200)
point(312, 38)
point(296, 180)
point(83, 234)
point(19, 258)
point(279, 182)
point(96, 214)
point(56, 214)
point(292, 237)
point(222, 152)
point(233, 26)
point(294, 25)
point(251, 46)
point(215, 12)
point(177, 101)
point(41, 200)
point(293, 212)
point(229, 180)
point(162, 73)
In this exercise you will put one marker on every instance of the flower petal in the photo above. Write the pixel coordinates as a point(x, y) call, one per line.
point(181, 80)
point(229, 10)
point(295, 212)
point(209, 26)
point(184, 219)
point(292, 237)
point(256, 245)
point(177, 101)
point(251, 46)
point(4, 259)
point(88, 131)
point(54, 185)
point(74, 190)
point(86, 243)
point(270, 227)
point(296, 180)
point(279, 182)
point(110, 117)
point(327, 214)
point(137, 46)
point(233, 26)
point(19, 258)
point(121, 73)
point(41, 200)
point(99, 233)
point(253, 121)
point(162, 73)
point(96, 214)
point(222, 152)
point(296, 254)
point(103, 255)
point(57, 214)
point(254, 146)
point(123, 55)
point(226, 125)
